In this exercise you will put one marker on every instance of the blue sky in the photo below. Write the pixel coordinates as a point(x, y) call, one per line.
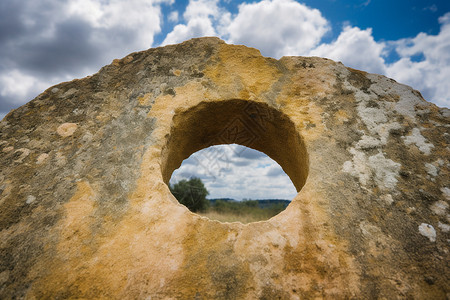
point(44, 42)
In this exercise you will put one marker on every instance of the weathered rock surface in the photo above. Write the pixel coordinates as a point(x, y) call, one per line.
point(85, 211)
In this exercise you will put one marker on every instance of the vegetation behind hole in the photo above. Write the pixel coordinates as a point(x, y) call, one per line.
point(192, 193)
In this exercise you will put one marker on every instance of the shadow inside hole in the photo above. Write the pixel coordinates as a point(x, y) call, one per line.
point(252, 124)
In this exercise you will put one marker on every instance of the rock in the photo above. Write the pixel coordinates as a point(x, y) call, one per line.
point(41, 158)
point(98, 152)
point(428, 231)
point(429, 280)
point(66, 129)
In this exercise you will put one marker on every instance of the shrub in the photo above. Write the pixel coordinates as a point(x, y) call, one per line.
point(191, 193)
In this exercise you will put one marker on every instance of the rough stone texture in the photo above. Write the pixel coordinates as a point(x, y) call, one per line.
point(85, 211)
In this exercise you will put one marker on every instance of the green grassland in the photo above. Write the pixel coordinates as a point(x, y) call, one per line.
point(242, 211)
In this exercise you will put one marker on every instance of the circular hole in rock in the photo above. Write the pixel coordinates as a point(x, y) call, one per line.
point(232, 124)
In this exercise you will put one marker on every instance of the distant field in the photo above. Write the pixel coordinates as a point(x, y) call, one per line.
point(230, 217)
point(243, 211)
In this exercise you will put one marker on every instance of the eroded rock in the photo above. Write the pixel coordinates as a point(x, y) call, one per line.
point(85, 211)
point(66, 129)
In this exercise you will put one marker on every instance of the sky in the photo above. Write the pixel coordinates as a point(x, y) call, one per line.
point(44, 42)
point(237, 172)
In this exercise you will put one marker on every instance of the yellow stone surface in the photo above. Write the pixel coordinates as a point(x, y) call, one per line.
point(66, 129)
point(104, 225)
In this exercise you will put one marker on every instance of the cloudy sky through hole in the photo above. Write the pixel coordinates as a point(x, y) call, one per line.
point(235, 171)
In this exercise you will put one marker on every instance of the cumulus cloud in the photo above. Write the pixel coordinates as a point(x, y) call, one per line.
point(424, 61)
point(16, 83)
point(242, 152)
point(227, 174)
point(200, 16)
point(277, 27)
point(194, 28)
point(201, 9)
point(275, 171)
point(173, 16)
point(48, 41)
point(431, 73)
point(356, 48)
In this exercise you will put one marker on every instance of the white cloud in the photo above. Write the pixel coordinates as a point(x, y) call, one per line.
point(48, 41)
point(229, 172)
point(195, 28)
point(141, 16)
point(277, 27)
point(200, 16)
point(356, 48)
point(201, 9)
point(430, 75)
point(16, 87)
point(87, 9)
point(15, 83)
point(173, 16)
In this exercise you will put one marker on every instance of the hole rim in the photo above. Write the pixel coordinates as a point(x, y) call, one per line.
point(259, 118)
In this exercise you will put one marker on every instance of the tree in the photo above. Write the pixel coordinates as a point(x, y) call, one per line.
point(191, 193)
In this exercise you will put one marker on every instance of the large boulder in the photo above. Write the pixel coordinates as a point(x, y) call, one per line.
point(85, 210)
